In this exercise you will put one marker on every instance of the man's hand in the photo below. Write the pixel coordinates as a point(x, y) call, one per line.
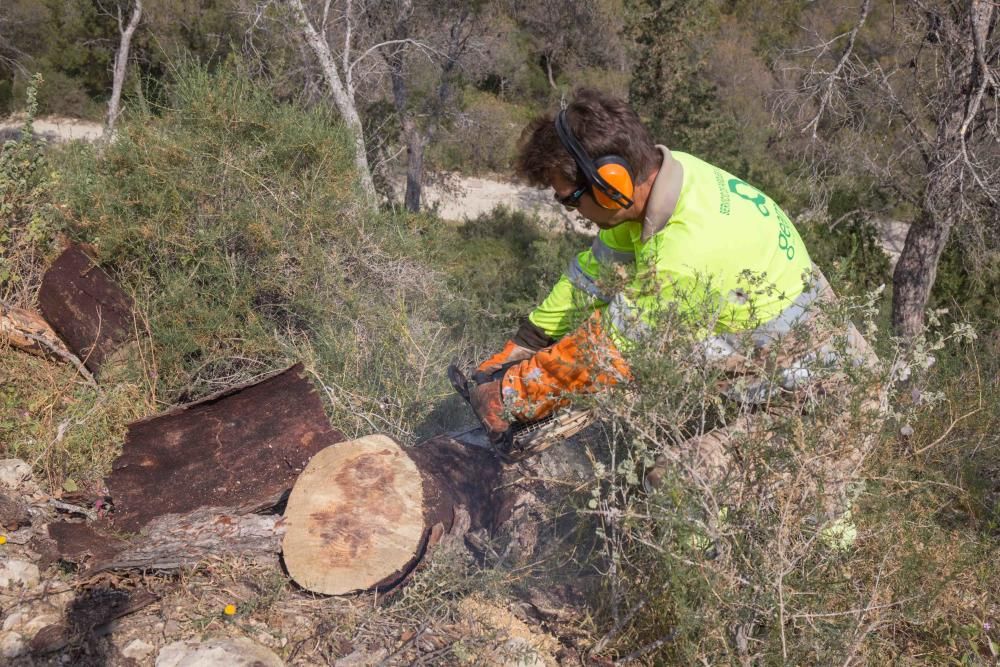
point(528, 340)
point(508, 356)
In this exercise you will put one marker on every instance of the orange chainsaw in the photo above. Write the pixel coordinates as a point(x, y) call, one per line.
point(522, 439)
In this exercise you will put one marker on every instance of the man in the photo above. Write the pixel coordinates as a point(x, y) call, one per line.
point(694, 239)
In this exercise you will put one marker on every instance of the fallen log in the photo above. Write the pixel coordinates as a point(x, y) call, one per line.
point(183, 540)
point(362, 514)
point(29, 332)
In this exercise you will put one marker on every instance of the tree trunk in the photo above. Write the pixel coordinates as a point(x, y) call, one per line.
point(915, 273)
point(948, 171)
point(548, 71)
point(343, 98)
point(121, 64)
point(414, 165)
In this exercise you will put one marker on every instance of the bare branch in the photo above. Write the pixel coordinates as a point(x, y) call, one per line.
point(422, 46)
point(835, 74)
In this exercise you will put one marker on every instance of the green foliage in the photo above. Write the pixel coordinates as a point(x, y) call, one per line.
point(234, 222)
point(484, 135)
point(503, 264)
point(25, 203)
point(850, 254)
point(727, 568)
point(968, 293)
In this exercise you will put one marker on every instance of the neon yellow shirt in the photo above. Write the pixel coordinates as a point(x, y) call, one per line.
point(725, 255)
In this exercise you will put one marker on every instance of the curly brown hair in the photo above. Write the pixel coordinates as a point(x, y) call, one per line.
point(602, 123)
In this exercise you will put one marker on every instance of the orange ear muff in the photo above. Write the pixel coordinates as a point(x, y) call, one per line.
point(615, 172)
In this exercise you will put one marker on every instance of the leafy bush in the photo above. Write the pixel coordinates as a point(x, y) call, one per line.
point(502, 264)
point(484, 135)
point(25, 203)
point(234, 222)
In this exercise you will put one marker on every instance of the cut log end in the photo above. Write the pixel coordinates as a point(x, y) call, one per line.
point(355, 518)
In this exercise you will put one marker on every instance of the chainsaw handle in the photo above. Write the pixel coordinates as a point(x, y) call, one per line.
point(458, 381)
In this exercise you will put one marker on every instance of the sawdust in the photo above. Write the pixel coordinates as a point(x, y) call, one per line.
point(495, 619)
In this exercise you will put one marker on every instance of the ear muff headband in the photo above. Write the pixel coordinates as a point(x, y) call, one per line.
point(610, 176)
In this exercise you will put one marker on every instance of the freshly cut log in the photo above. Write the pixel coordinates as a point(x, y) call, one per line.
point(361, 515)
point(355, 517)
point(29, 332)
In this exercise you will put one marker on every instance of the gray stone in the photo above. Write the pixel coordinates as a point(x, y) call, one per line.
point(37, 623)
point(13, 472)
point(12, 645)
point(229, 652)
point(14, 620)
point(361, 658)
point(138, 649)
point(18, 573)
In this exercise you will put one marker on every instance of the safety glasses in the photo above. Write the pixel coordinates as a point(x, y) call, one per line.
point(572, 200)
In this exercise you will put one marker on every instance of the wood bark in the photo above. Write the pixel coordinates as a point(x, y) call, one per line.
point(174, 541)
point(342, 90)
point(916, 271)
point(29, 332)
point(244, 446)
point(121, 65)
point(88, 309)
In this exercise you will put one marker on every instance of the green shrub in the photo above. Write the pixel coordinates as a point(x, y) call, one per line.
point(235, 223)
point(738, 568)
point(27, 233)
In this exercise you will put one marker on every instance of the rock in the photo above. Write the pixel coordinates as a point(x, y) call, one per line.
point(138, 650)
point(50, 638)
point(13, 512)
point(31, 628)
point(229, 652)
point(12, 645)
point(14, 620)
point(18, 573)
point(361, 658)
point(13, 472)
point(171, 628)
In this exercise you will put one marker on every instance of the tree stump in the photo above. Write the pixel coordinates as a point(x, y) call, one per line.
point(362, 514)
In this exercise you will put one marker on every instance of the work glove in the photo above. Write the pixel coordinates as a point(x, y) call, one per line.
point(528, 340)
point(584, 361)
point(487, 404)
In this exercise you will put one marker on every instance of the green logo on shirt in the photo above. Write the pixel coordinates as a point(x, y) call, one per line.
point(757, 198)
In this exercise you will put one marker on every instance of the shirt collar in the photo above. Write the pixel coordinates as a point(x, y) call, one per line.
point(664, 195)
